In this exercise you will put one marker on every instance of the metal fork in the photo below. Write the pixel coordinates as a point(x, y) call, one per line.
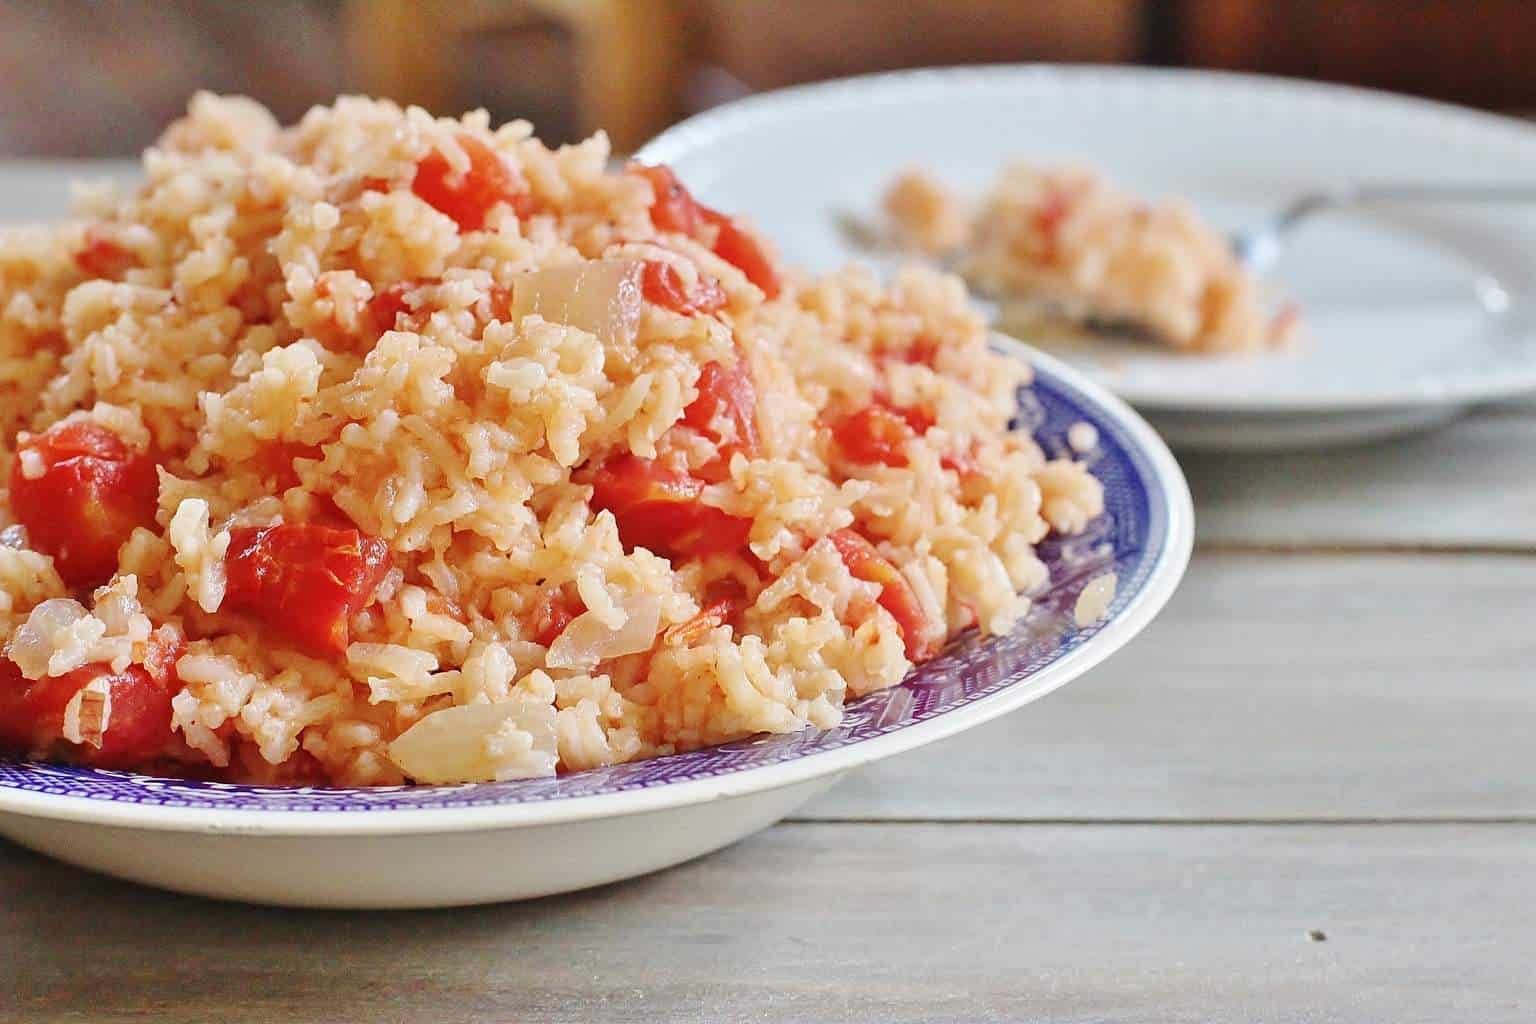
point(1259, 248)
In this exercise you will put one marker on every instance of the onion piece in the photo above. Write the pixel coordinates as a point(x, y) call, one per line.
point(511, 739)
point(33, 643)
point(601, 297)
point(588, 640)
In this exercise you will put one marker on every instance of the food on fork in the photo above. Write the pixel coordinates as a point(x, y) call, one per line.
point(388, 448)
point(1062, 241)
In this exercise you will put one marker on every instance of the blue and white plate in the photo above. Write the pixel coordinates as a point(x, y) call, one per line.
point(445, 845)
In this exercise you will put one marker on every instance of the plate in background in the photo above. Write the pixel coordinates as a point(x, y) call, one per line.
point(1410, 314)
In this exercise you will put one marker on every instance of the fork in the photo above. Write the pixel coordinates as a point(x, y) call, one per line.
point(1258, 248)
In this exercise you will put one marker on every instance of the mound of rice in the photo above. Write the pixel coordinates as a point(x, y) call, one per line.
point(391, 448)
point(1063, 240)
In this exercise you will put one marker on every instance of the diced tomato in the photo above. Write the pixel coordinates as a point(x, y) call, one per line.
point(373, 184)
point(469, 197)
point(103, 257)
point(660, 508)
point(274, 461)
point(726, 393)
point(741, 249)
point(304, 580)
point(553, 612)
point(723, 601)
point(1049, 218)
point(674, 209)
point(385, 308)
point(663, 285)
point(500, 302)
point(922, 637)
point(876, 433)
point(93, 491)
point(138, 725)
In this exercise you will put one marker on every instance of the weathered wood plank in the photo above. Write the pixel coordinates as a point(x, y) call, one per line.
point(1472, 483)
point(844, 923)
point(1274, 686)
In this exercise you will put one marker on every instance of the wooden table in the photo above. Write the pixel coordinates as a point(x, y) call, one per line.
point(1308, 793)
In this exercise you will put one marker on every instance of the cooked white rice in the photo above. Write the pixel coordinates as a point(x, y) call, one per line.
point(220, 320)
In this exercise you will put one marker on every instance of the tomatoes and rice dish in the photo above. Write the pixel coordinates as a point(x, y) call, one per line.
point(385, 448)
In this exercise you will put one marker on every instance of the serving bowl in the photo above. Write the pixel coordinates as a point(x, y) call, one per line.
point(426, 846)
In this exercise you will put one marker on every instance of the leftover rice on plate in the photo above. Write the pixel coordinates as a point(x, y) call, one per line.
point(1062, 240)
point(388, 448)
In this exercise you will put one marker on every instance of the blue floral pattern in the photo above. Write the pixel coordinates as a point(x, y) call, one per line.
point(1128, 539)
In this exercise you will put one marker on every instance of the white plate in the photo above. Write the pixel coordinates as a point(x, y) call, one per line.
point(1398, 334)
point(439, 846)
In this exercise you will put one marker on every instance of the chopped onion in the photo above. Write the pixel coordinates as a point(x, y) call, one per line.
point(511, 739)
point(601, 297)
point(33, 642)
point(88, 713)
point(588, 640)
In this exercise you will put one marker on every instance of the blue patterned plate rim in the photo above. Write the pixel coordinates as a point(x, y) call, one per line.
point(1145, 536)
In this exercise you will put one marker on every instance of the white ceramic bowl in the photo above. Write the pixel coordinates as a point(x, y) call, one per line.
point(441, 846)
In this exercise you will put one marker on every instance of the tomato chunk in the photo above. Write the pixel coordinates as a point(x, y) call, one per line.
point(469, 197)
point(922, 636)
point(137, 727)
point(875, 433)
point(727, 395)
point(663, 285)
point(660, 508)
point(741, 249)
point(553, 612)
point(386, 308)
point(674, 209)
point(723, 602)
point(93, 491)
point(100, 256)
point(304, 580)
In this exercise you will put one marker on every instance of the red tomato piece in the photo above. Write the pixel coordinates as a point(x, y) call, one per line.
point(663, 285)
point(723, 602)
point(553, 612)
point(138, 726)
point(304, 580)
point(93, 492)
point(729, 394)
point(469, 197)
point(659, 507)
point(922, 637)
point(274, 461)
point(674, 209)
point(386, 308)
point(741, 249)
point(103, 257)
point(876, 433)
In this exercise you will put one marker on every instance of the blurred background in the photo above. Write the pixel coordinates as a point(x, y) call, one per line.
point(81, 78)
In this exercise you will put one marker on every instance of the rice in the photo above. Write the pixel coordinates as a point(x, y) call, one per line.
point(393, 482)
point(1063, 240)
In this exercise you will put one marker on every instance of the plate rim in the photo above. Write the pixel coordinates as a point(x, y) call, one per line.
point(1177, 542)
point(760, 109)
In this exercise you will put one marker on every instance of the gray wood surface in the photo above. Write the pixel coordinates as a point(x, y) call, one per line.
point(1471, 484)
point(1333, 727)
point(827, 922)
point(1275, 686)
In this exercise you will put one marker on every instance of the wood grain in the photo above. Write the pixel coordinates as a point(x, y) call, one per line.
point(1273, 686)
point(844, 923)
point(1473, 483)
